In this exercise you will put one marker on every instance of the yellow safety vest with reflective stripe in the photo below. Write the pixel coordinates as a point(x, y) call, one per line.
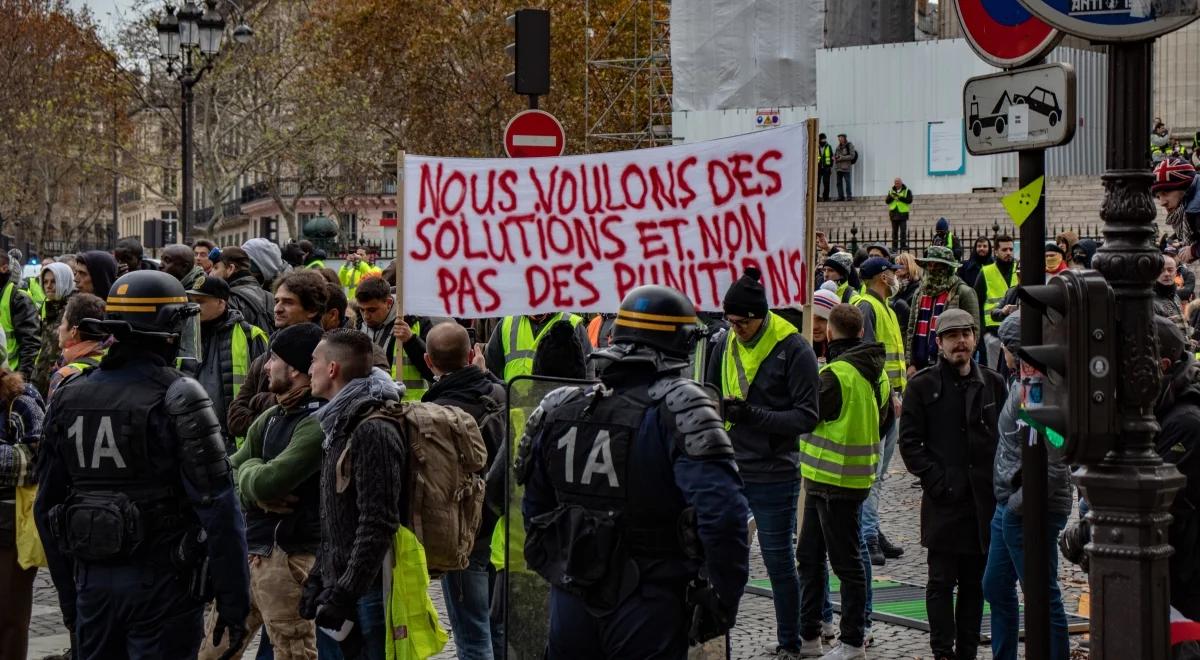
point(239, 347)
point(845, 452)
point(516, 419)
point(700, 356)
point(413, 629)
point(825, 155)
point(519, 344)
point(996, 288)
point(351, 275)
point(740, 365)
point(887, 332)
point(897, 202)
point(414, 383)
point(10, 336)
point(35, 291)
point(318, 264)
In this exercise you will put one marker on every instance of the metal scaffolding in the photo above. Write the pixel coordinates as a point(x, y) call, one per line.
point(627, 90)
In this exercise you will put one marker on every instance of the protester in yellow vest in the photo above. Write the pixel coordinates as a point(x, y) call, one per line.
point(881, 325)
point(353, 271)
point(839, 268)
point(899, 202)
point(511, 347)
point(824, 165)
point(767, 376)
point(839, 460)
point(19, 320)
point(995, 279)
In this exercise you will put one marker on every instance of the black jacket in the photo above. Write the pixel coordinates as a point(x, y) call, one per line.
point(216, 367)
point(948, 439)
point(256, 305)
point(783, 405)
point(1178, 413)
point(26, 328)
point(969, 272)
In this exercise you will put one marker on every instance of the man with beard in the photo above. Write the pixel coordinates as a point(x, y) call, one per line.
point(981, 256)
point(948, 440)
point(1177, 190)
point(941, 290)
point(995, 279)
point(1166, 297)
point(279, 484)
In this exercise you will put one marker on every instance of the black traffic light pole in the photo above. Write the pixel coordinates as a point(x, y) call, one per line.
point(1130, 491)
point(1031, 164)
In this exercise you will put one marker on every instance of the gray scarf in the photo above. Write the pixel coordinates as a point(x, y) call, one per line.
point(374, 390)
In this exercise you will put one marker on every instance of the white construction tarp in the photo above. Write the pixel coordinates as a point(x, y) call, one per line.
point(745, 53)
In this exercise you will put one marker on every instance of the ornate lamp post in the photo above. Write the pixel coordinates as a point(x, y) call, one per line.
point(190, 40)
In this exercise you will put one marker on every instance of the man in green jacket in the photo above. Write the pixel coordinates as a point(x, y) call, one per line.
point(278, 482)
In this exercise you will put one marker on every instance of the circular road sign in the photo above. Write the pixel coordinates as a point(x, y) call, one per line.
point(533, 134)
point(1109, 20)
point(1005, 34)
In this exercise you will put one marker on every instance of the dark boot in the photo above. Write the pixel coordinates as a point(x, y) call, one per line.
point(889, 551)
point(877, 558)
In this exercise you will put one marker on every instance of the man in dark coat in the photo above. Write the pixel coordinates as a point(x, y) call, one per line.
point(948, 431)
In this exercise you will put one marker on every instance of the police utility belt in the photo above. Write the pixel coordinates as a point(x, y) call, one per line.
point(109, 526)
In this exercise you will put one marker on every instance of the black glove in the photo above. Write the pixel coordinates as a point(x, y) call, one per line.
point(237, 634)
point(335, 608)
point(310, 597)
point(710, 619)
point(736, 410)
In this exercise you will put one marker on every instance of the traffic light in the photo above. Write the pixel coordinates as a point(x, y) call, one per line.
point(530, 51)
point(1078, 361)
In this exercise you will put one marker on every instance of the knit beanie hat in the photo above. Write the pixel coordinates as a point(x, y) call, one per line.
point(295, 344)
point(823, 303)
point(942, 225)
point(746, 297)
point(1172, 174)
point(842, 262)
point(1010, 332)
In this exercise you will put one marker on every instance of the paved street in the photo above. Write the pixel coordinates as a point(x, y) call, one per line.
point(756, 621)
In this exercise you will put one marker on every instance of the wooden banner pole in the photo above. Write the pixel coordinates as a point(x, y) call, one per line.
point(398, 262)
point(810, 228)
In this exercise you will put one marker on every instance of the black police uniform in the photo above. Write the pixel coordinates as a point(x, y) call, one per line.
point(633, 498)
point(136, 500)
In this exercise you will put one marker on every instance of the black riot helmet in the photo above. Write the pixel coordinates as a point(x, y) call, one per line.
point(657, 317)
point(147, 303)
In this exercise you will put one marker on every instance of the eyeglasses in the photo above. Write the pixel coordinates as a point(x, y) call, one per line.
point(740, 324)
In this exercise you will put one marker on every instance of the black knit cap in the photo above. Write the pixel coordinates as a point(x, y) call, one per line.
point(295, 344)
point(746, 297)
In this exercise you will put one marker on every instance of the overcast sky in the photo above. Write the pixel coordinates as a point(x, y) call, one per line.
point(106, 12)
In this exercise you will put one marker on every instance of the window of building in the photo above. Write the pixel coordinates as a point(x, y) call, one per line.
point(268, 228)
point(348, 228)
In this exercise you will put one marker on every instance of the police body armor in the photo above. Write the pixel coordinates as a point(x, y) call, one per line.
point(126, 499)
point(618, 503)
point(300, 530)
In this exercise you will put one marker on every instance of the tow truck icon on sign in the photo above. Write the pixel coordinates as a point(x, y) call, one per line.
point(1040, 100)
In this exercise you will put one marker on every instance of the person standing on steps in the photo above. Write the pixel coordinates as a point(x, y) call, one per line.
point(899, 202)
point(844, 158)
point(824, 165)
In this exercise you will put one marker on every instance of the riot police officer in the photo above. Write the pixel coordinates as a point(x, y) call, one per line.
point(633, 504)
point(136, 500)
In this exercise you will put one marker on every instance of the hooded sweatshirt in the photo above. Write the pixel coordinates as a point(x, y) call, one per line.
point(267, 257)
point(868, 360)
point(102, 268)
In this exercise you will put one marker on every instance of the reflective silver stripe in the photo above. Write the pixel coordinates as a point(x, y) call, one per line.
point(840, 448)
point(993, 301)
point(834, 468)
point(239, 379)
point(517, 355)
point(893, 356)
point(893, 373)
point(514, 326)
point(741, 371)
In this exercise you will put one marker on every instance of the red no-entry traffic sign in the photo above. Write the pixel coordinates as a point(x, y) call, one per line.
point(1003, 33)
point(534, 133)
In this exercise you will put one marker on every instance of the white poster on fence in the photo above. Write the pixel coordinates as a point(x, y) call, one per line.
point(495, 237)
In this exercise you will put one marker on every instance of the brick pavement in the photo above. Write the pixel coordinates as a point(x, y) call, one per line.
point(756, 620)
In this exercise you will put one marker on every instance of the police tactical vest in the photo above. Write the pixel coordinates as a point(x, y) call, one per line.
point(887, 332)
point(996, 289)
point(615, 486)
point(300, 530)
point(845, 452)
point(108, 435)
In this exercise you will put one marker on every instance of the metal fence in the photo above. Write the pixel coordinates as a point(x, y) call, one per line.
point(854, 238)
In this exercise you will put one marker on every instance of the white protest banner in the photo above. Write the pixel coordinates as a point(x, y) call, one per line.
point(498, 237)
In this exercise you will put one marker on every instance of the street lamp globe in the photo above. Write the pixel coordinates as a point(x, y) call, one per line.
point(243, 34)
point(212, 29)
point(189, 28)
point(168, 35)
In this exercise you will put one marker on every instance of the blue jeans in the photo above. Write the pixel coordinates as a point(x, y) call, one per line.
point(1005, 568)
point(372, 625)
point(327, 647)
point(870, 517)
point(774, 508)
point(468, 605)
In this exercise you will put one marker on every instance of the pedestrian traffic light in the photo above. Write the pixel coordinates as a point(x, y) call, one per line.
point(1078, 361)
point(530, 51)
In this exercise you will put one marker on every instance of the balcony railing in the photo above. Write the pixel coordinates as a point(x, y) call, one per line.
point(291, 188)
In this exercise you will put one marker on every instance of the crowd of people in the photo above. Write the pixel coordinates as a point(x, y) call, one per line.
point(230, 441)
